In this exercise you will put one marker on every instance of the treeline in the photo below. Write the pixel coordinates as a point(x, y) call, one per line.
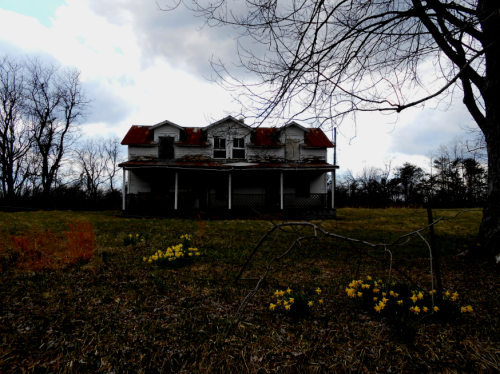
point(45, 160)
point(456, 177)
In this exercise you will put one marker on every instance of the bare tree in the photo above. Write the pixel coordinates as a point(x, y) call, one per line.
point(90, 162)
point(325, 59)
point(55, 104)
point(113, 157)
point(15, 138)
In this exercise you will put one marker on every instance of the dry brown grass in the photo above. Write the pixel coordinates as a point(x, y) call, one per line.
point(38, 249)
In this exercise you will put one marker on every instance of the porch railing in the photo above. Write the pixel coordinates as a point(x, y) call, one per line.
point(153, 202)
point(314, 200)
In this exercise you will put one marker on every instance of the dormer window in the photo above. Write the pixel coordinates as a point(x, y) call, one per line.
point(239, 148)
point(219, 147)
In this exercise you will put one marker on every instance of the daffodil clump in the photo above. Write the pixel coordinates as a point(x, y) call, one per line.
point(400, 299)
point(170, 257)
point(134, 239)
point(297, 303)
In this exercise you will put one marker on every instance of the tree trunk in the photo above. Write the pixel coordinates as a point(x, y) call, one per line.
point(489, 232)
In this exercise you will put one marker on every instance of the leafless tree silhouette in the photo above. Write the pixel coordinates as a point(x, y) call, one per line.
point(321, 60)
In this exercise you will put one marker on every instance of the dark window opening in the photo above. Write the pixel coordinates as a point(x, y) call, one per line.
point(239, 143)
point(166, 148)
point(219, 147)
point(238, 153)
point(239, 148)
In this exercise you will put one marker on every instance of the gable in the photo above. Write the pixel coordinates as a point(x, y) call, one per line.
point(229, 126)
point(167, 129)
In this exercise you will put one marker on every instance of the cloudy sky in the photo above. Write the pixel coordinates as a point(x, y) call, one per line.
point(141, 65)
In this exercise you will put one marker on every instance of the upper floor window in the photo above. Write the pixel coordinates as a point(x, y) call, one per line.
point(219, 147)
point(166, 147)
point(239, 148)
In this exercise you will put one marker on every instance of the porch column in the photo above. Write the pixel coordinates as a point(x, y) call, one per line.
point(281, 190)
point(123, 188)
point(176, 190)
point(333, 189)
point(230, 192)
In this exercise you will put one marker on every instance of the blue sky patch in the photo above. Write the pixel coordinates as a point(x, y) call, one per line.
point(42, 10)
point(119, 51)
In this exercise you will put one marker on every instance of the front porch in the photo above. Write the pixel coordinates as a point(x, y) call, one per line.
point(168, 191)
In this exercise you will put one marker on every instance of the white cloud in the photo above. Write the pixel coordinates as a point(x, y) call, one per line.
point(141, 66)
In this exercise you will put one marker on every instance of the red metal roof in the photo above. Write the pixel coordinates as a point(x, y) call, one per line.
point(265, 137)
point(193, 136)
point(317, 138)
point(138, 135)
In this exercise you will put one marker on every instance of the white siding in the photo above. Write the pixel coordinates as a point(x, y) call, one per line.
point(265, 152)
point(318, 183)
point(312, 153)
point(135, 152)
point(137, 183)
point(186, 152)
point(292, 132)
point(166, 130)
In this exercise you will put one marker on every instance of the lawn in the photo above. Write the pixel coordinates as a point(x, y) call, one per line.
point(105, 309)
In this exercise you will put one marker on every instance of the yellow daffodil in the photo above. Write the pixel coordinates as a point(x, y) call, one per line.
point(436, 309)
point(400, 302)
point(376, 290)
point(425, 309)
point(420, 296)
point(375, 298)
point(377, 308)
point(369, 278)
point(310, 303)
point(272, 306)
point(414, 298)
point(287, 307)
point(292, 300)
point(416, 310)
point(360, 294)
point(318, 290)
point(384, 300)
point(396, 295)
point(278, 302)
point(289, 291)
point(391, 293)
point(320, 301)
point(384, 294)
point(469, 308)
point(447, 293)
point(144, 259)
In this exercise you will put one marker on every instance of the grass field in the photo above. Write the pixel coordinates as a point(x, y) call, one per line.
point(108, 310)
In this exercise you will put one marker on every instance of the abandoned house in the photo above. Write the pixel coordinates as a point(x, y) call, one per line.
point(227, 165)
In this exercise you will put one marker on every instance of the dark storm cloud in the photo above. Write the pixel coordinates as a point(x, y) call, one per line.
point(429, 129)
point(176, 37)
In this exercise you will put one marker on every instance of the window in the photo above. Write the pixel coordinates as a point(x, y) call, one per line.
point(166, 148)
point(239, 148)
point(219, 147)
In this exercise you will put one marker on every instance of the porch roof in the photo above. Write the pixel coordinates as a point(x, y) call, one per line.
point(211, 165)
